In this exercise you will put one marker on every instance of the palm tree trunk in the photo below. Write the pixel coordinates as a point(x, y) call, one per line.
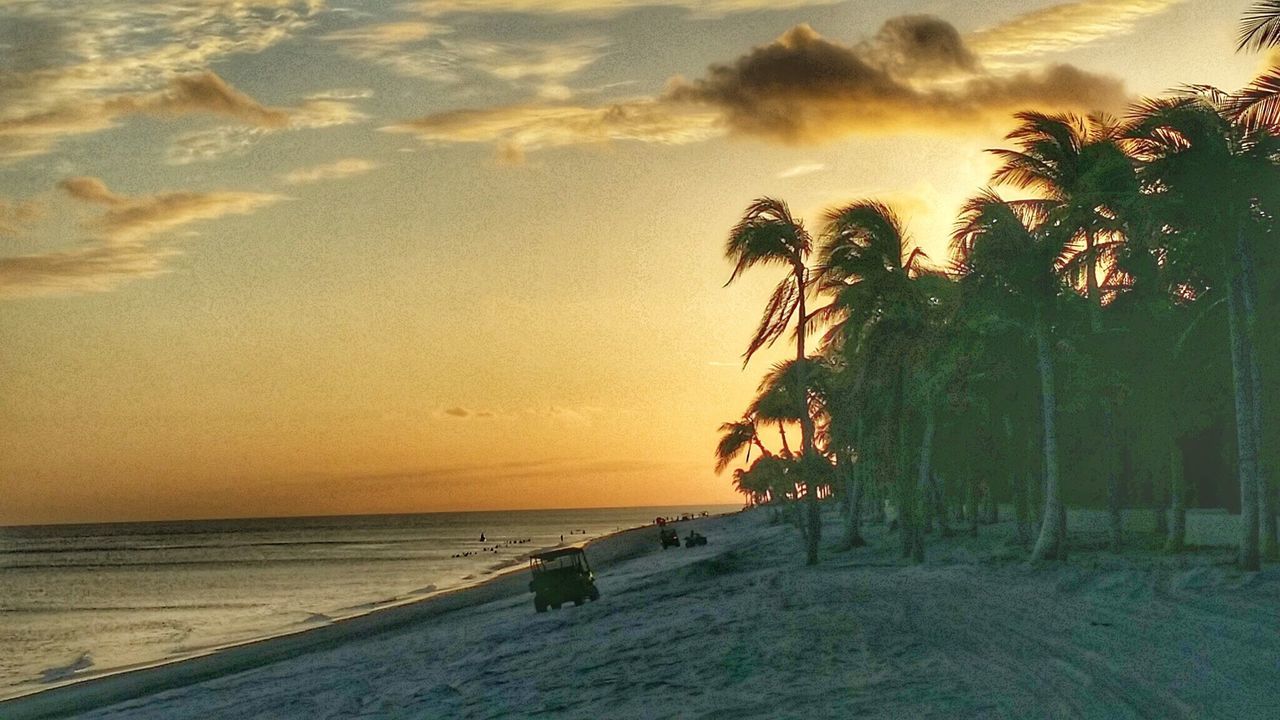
point(1246, 449)
point(1160, 503)
point(1017, 484)
point(1177, 501)
point(923, 503)
point(1115, 515)
point(814, 536)
point(856, 481)
point(1266, 497)
point(1052, 541)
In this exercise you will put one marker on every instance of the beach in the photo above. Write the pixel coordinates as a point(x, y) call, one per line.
point(741, 628)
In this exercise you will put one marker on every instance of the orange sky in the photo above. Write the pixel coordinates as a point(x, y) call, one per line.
point(279, 257)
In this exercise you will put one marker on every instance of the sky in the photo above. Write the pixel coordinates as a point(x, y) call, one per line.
point(277, 257)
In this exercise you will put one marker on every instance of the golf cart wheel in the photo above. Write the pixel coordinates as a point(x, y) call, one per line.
point(539, 605)
point(577, 602)
point(555, 606)
point(595, 595)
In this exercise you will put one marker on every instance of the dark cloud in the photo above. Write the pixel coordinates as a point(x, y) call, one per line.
point(921, 45)
point(916, 73)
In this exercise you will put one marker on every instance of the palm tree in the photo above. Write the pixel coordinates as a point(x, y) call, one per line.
point(879, 313)
point(1214, 181)
point(768, 234)
point(736, 438)
point(1079, 166)
point(1009, 254)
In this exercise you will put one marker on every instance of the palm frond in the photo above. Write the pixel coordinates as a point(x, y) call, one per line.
point(1260, 26)
point(777, 315)
point(1257, 105)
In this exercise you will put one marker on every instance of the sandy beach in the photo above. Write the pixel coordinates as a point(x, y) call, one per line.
point(741, 628)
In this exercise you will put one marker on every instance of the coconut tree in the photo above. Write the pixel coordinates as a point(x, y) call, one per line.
point(881, 302)
point(1214, 181)
point(738, 438)
point(768, 235)
point(1009, 255)
point(1079, 167)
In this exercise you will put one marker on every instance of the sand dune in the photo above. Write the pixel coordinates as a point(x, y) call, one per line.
point(740, 628)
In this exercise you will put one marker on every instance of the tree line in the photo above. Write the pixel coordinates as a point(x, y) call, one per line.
point(1086, 339)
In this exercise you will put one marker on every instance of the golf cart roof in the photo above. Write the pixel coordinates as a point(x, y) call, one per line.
point(559, 552)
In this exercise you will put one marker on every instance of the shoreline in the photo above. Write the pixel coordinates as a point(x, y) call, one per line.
point(131, 682)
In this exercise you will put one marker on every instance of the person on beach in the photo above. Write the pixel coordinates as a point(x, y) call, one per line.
point(481, 537)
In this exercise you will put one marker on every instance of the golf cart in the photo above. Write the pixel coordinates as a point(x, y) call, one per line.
point(561, 575)
point(669, 537)
point(695, 538)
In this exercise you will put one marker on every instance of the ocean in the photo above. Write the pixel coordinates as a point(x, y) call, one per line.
point(80, 600)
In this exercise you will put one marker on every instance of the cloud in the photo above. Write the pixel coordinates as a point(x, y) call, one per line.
point(802, 169)
point(78, 68)
point(212, 144)
point(915, 74)
point(428, 50)
point(342, 94)
point(347, 167)
point(15, 216)
point(910, 46)
point(458, 411)
point(122, 245)
point(1065, 26)
point(202, 92)
point(803, 88)
point(520, 128)
point(701, 8)
point(93, 267)
point(231, 140)
point(135, 219)
point(398, 46)
point(198, 93)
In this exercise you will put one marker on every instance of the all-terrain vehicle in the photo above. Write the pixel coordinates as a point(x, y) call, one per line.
point(695, 538)
point(669, 537)
point(560, 576)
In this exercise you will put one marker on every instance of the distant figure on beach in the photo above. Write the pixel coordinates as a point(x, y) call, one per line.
point(561, 537)
point(481, 537)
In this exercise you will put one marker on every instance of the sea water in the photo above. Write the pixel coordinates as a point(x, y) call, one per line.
point(79, 600)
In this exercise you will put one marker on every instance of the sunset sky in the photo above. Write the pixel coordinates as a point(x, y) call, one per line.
point(290, 258)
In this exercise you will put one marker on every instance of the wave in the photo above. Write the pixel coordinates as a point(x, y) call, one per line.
point(55, 549)
point(97, 565)
point(127, 608)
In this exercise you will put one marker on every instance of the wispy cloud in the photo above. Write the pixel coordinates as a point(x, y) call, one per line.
point(138, 218)
point(517, 129)
point(705, 8)
point(15, 216)
point(431, 50)
point(122, 245)
point(231, 140)
point(1065, 26)
point(802, 169)
point(79, 68)
point(344, 168)
point(398, 46)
